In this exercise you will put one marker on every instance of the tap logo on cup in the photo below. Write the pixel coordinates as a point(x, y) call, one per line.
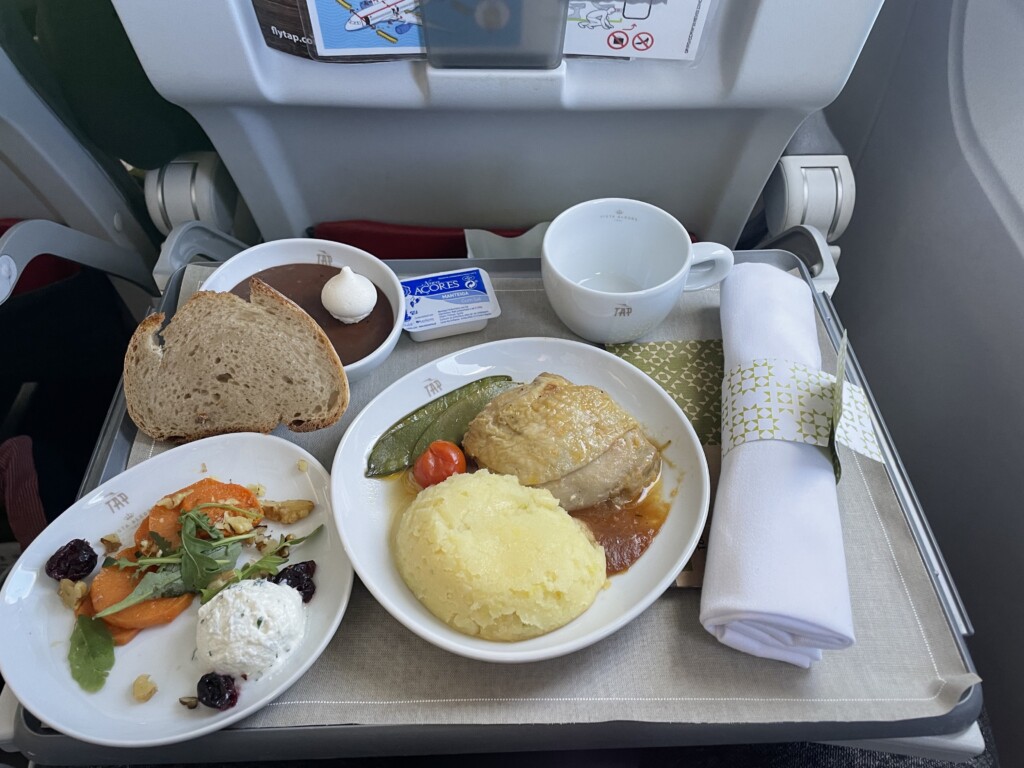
point(613, 269)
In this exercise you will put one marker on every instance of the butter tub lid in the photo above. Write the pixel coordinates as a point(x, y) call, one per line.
point(462, 297)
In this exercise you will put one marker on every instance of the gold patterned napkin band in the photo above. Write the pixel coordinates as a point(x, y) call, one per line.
point(777, 399)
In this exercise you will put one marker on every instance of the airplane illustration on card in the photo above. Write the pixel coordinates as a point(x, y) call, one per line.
point(398, 15)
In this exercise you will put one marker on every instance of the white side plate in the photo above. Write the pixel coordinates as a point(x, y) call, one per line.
point(37, 627)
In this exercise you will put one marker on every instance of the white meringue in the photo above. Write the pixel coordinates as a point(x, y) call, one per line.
point(349, 296)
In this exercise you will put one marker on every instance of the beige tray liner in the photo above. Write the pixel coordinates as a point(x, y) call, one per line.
point(663, 667)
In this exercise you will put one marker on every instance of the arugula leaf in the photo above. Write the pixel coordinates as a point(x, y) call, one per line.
point(250, 513)
point(294, 542)
point(203, 560)
point(200, 522)
point(166, 583)
point(195, 549)
point(161, 543)
point(267, 565)
point(91, 653)
point(173, 559)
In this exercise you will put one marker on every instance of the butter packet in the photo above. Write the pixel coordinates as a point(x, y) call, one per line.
point(447, 303)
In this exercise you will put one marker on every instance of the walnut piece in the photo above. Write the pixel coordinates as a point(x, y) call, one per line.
point(238, 524)
point(111, 542)
point(287, 511)
point(170, 502)
point(148, 548)
point(143, 688)
point(72, 593)
point(222, 579)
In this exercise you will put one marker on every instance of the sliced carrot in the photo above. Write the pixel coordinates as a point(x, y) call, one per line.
point(120, 635)
point(150, 613)
point(142, 531)
point(112, 585)
point(165, 522)
point(208, 491)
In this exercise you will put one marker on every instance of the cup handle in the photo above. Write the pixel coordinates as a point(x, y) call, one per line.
point(711, 263)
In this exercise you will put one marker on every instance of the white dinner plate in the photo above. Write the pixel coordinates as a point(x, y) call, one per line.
point(363, 506)
point(36, 627)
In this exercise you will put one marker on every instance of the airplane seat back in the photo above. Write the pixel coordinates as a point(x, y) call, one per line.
point(77, 113)
point(51, 167)
point(85, 47)
point(402, 142)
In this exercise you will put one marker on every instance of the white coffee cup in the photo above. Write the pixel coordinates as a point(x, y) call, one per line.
point(614, 268)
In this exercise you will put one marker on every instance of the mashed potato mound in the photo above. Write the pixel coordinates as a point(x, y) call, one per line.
point(495, 559)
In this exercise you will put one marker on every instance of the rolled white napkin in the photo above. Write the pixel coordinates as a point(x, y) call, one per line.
point(775, 583)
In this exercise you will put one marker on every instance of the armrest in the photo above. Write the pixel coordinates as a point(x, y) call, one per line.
point(28, 239)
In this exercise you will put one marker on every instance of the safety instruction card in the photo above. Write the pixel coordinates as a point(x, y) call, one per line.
point(659, 29)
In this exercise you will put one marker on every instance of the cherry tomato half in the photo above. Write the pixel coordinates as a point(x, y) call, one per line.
point(440, 461)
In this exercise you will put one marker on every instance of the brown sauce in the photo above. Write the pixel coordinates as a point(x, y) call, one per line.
point(625, 531)
point(302, 283)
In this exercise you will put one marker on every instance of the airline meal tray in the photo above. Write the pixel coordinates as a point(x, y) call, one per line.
point(661, 680)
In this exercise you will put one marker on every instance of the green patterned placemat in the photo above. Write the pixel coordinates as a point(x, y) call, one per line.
point(691, 372)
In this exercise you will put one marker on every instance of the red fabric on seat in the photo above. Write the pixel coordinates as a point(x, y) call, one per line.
point(19, 488)
point(42, 270)
point(400, 241)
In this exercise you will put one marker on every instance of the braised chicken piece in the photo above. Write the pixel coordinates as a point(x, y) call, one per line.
point(572, 439)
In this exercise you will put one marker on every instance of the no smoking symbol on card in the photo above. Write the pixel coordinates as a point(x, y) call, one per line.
point(643, 41)
point(618, 40)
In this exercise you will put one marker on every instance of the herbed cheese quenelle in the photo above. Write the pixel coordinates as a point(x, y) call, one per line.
point(249, 629)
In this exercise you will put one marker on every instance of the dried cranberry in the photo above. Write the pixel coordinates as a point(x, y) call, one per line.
point(75, 560)
point(217, 691)
point(300, 577)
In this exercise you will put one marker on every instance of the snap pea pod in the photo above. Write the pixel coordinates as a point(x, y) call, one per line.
point(393, 451)
point(451, 423)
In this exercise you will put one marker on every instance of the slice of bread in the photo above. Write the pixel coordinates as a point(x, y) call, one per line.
point(231, 365)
